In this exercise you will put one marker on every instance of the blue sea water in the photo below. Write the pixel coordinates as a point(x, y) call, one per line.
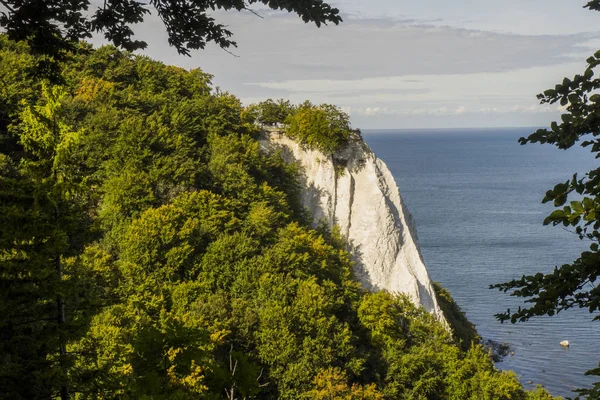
point(476, 198)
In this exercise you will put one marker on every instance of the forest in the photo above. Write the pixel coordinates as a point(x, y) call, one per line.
point(150, 250)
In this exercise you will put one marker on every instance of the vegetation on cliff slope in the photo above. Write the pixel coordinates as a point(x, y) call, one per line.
point(463, 329)
point(149, 250)
point(323, 127)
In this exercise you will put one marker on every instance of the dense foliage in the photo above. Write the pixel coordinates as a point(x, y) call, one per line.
point(325, 127)
point(270, 112)
point(578, 206)
point(463, 329)
point(150, 250)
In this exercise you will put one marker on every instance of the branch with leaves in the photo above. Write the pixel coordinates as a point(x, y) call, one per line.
point(577, 203)
point(53, 27)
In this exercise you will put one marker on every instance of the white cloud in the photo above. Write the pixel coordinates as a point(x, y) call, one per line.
point(281, 47)
point(384, 111)
point(415, 69)
point(371, 111)
point(375, 112)
point(537, 17)
point(462, 92)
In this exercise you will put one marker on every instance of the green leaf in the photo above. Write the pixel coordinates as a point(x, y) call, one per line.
point(561, 188)
point(564, 101)
point(566, 118)
point(560, 200)
point(577, 206)
point(573, 98)
point(556, 214)
point(591, 216)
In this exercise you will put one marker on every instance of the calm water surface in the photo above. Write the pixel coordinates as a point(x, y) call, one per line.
point(476, 199)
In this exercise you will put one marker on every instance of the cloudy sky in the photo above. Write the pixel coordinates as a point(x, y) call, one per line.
point(405, 64)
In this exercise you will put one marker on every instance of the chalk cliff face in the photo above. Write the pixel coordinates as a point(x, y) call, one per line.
point(355, 190)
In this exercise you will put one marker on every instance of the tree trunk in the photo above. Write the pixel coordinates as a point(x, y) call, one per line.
point(60, 305)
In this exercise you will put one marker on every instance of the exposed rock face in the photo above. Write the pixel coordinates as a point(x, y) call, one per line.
point(355, 190)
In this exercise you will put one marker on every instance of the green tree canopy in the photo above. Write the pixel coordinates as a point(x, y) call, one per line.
point(324, 127)
point(149, 249)
point(578, 205)
point(271, 112)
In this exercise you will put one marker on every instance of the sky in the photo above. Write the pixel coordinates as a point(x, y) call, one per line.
point(404, 64)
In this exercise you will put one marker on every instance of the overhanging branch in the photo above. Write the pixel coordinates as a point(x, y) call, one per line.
point(5, 4)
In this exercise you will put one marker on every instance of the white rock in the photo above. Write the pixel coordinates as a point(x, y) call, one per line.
point(361, 197)
point(564, 343)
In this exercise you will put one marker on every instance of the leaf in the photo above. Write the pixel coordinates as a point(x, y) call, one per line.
point(589, 73)
point(560, 200)
point(561, 188)
point(573, 98)
point(577, 206)
point(555, 215)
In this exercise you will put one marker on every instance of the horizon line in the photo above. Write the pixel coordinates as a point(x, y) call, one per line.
point(452, 129)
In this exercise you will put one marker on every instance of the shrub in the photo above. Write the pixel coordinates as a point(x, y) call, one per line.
point(325, 128)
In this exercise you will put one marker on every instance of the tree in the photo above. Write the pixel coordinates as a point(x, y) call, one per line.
point(51, 27)
point(571, 285)
point(270, 112)
point(325, 128)
point(331, 384)
point(43, 207)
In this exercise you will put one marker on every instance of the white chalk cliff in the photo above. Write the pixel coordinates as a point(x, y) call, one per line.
point(356, 191)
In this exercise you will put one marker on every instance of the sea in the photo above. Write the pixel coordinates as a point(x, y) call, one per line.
point(476, 197)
